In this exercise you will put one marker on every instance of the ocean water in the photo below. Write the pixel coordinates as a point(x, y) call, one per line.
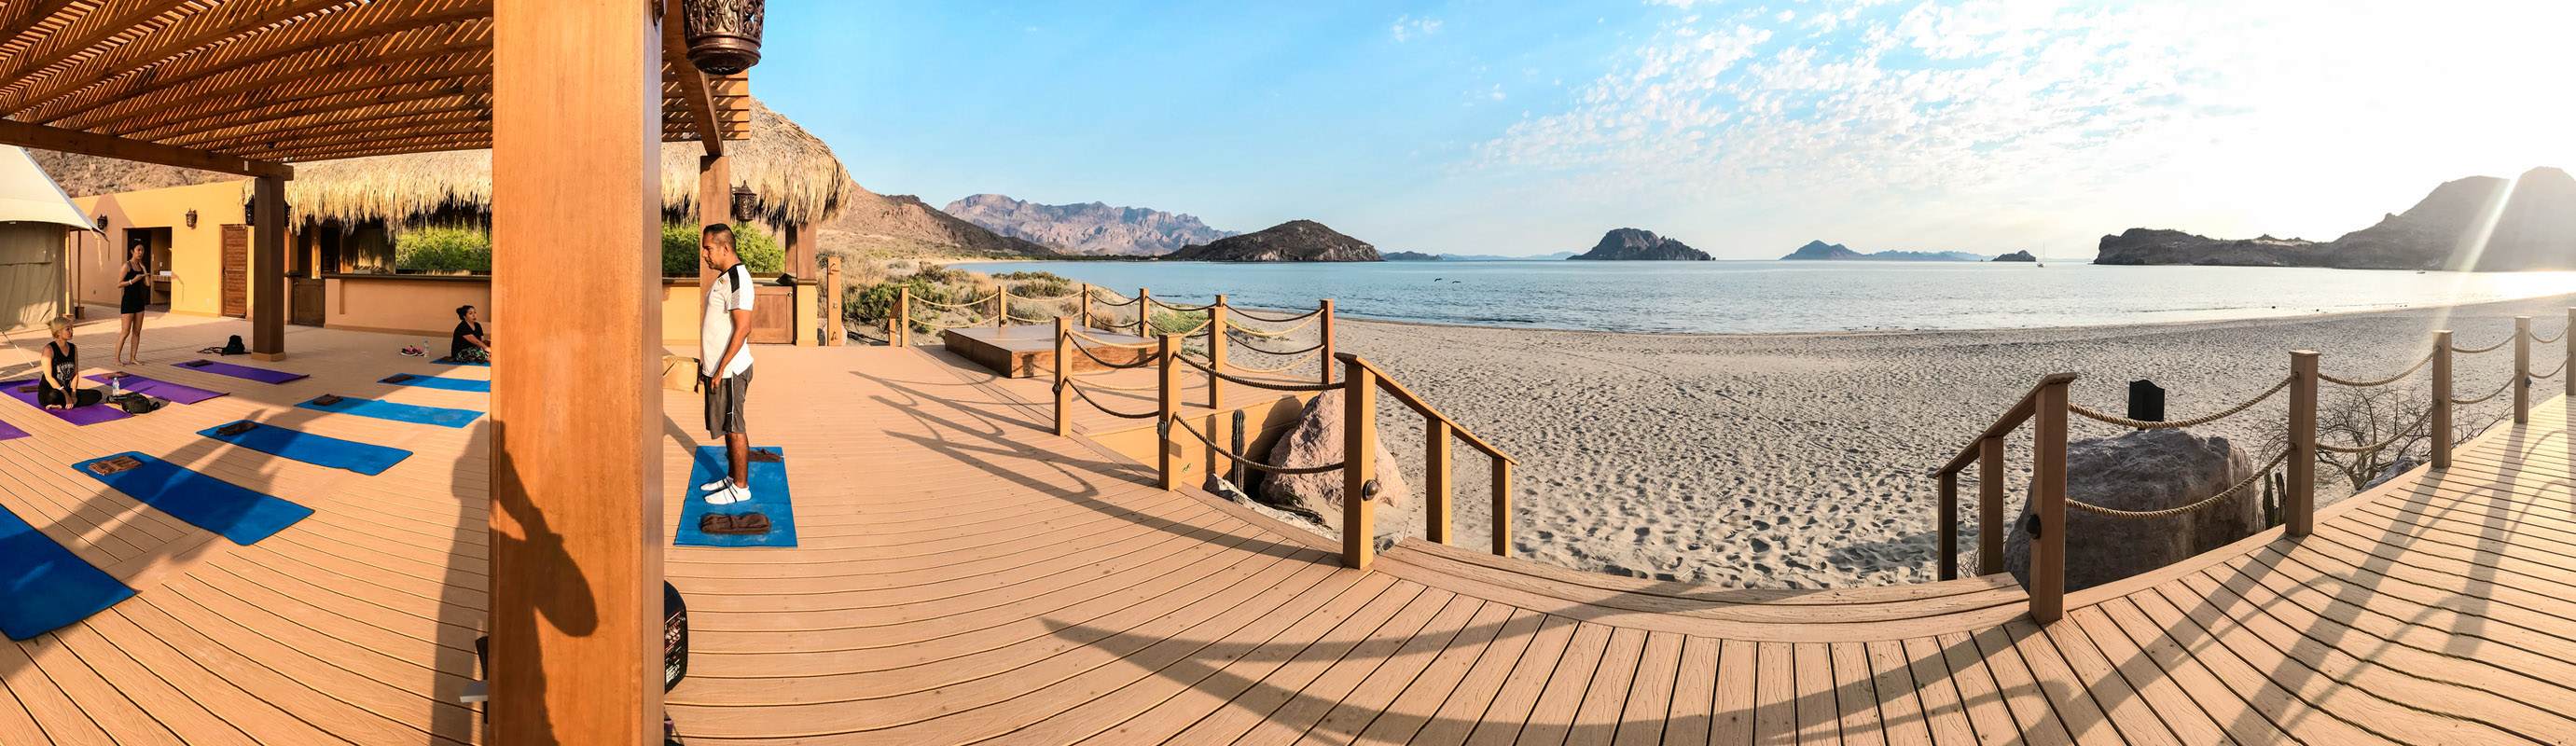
point(1735, 297)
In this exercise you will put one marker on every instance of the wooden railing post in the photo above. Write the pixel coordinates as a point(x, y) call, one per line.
point(1170, 406)
point(839, 325)
point(2441, 431)
point(1001, 306)
point(2521, 370)
point(1144, 311)
point(1359, 465)
point(2048, 506)
point(1435, 480)
point(1216, 353)
point(1086, 306)
point(1502, 518)
point(1327, 374)
point(2567, 342)
point(1990, 506)
point(2299, 504)
point(1949, 526)
point(1063, 379)
point(899, 324)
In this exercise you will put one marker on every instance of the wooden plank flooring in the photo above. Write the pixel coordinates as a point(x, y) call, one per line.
point(965, 577)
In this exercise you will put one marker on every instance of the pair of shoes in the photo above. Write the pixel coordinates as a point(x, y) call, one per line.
point(724, 492)
point(413, 352)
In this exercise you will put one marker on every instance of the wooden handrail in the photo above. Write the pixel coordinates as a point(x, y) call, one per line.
point(1424, 408)
point(2012, 419)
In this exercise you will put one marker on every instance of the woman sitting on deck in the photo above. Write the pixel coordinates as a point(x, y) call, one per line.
point(59, 383)
point(469, 344)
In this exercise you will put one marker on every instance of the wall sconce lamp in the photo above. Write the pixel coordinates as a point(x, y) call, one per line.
point(192, 217)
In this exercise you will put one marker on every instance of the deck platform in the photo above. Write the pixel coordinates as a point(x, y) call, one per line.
point(1028, 350)
point(967, 577)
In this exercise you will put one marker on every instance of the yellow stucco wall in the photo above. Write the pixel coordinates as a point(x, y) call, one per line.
point(196, 254)
point(403, 305)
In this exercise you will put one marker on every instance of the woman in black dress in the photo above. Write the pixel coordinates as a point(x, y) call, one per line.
point(137, 286)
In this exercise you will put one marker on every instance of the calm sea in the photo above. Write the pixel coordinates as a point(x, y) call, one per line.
point(1772, 296)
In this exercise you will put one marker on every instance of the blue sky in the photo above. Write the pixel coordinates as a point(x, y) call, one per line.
point(1743, 128)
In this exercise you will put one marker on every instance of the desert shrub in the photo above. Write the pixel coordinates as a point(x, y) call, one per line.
point(443, 249)
point(760, 251)
point(1027, 276)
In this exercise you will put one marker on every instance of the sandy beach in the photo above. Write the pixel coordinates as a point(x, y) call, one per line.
point(1804, 461)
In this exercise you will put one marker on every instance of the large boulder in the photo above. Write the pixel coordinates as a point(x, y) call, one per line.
point(1315, 441)
point(2141, 471)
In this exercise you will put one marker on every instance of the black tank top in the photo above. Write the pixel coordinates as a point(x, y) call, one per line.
point(135, 292)
point(66, 363)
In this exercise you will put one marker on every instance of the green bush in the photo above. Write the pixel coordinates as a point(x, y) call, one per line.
point(760, 251)
point(876, 303)
point(443, 249)
point(1046, 276)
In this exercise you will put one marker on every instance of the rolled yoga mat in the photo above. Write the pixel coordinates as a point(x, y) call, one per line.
point(451, 384)
point(48, 587)
point(385, 410)
point(768, 497)
point(262, 375)
point(319, 450)
point(454, 361)
point(205, 502)
point(89, 415)
point(164, 389)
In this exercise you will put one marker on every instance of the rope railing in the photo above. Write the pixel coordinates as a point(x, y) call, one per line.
point(1139, 363)
point(2419, 365)
point(1182, 308)
point(2562, 334)
point(968, 304)
point(2508, 383)
point(2553, 372)
point(2488, 348)
point(968, 325)
point(2392, 440)
point(1255, 465)
point(1076, 386)
point(1027, 319)
point(2202, 504)
point(1098, 342)
point(1299, 362)
point(1282, 353)
point(1310, 321)
point(2168, 424)
point(1057, 299)
point(1259, 317)
point(1271, 385)
point(1085, 380)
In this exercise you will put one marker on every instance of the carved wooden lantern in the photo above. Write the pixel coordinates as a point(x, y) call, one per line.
point(192, 217)
point(723, 35)
point(746, 204)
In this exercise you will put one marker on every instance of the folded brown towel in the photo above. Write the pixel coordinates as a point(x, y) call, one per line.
point(236, 428)
point(199, 363)
point(397, 378)
point(326, 400)
point(114, 465)
point(26, 389)
point(117, 375)
point(766, 457)
point(748, 524)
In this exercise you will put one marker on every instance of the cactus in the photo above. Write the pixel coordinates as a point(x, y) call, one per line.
point(2272, 499)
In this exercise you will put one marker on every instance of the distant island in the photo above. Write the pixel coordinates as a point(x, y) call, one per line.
point(1090, 229)
point(1411, 256)
point(2535, 230)
point(2018, 256)
point(1495, 258)
point(1819, 251)
point(1292, 241)
point(1632, 244)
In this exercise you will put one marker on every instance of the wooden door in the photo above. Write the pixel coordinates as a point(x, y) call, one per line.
point(237, 271)
point(773, 315)
point(304, 301)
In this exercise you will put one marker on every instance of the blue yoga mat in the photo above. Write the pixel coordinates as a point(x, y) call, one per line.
point(47, 586)
point(768, 497)
point(385, 410)
point(205, 502)
point(451, 384)
point(364, 458)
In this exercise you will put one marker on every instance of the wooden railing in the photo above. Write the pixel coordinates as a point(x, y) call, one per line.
point(2048, 407)
point(1359, 418)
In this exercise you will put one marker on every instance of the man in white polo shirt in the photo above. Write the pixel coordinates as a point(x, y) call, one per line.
point(724, 364)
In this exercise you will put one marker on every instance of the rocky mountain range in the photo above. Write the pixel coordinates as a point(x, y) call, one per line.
point(1821, 251)
point(1092, 228)
point(1410, 256)
point(2534, 228)
point(1292, 241)
point(1634, 244)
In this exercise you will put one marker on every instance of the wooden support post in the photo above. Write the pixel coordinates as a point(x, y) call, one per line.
point(1144, 311)
point(2299, 505)
point(1236, 472)
point(1170, 406)
point(1949, 526)
point(1990, 506)
point(1436, 486)
point(575, 551)
point(899, 324)
point(2567, 342)
point(267, 271)
point(2441, 432)
point(1502, 507)
point(834, 324)
point(2521, 370)
point(801, 259)
point(1216, 353)
point(1063, 380)
point(1001, 307)
point(2048, 506)
point(1086, 306)
point(715, 205)
point(1327, 322)
point(1359, 464)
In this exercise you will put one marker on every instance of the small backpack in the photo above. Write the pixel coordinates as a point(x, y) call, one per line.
point(234, 347)
point(134, 403)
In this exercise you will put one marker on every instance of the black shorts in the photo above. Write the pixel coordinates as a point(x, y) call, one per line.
point(725, 397)
point(133, 303)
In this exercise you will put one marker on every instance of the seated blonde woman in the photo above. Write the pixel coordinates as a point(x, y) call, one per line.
point(58, 385)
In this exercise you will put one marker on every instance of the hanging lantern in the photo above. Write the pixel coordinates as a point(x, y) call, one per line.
point(102, 222)
point(192, 217)
point(746, 204)
point(723, 35)
point(250, 213)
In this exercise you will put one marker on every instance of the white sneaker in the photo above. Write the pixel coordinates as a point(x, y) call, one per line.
point(720, 483)
point(739, 494)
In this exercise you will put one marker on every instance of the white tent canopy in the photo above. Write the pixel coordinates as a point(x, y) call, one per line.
point(34, 215)
point(28, 195)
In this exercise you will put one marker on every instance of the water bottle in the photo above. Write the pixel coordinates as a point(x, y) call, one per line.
point(115, 387)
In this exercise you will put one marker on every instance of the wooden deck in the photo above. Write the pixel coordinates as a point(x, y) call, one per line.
point(966, 577)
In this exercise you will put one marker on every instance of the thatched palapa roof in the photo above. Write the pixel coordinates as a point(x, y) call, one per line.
point(797, 177)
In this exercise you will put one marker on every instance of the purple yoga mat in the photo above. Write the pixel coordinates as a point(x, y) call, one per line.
point(164, 389)
point(262, 375)
point(11, 432)
point(89, 415)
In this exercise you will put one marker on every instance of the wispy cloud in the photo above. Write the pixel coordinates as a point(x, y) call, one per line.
point(1407, 27)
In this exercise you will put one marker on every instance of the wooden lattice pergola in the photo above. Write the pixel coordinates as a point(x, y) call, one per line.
point(574, 98)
